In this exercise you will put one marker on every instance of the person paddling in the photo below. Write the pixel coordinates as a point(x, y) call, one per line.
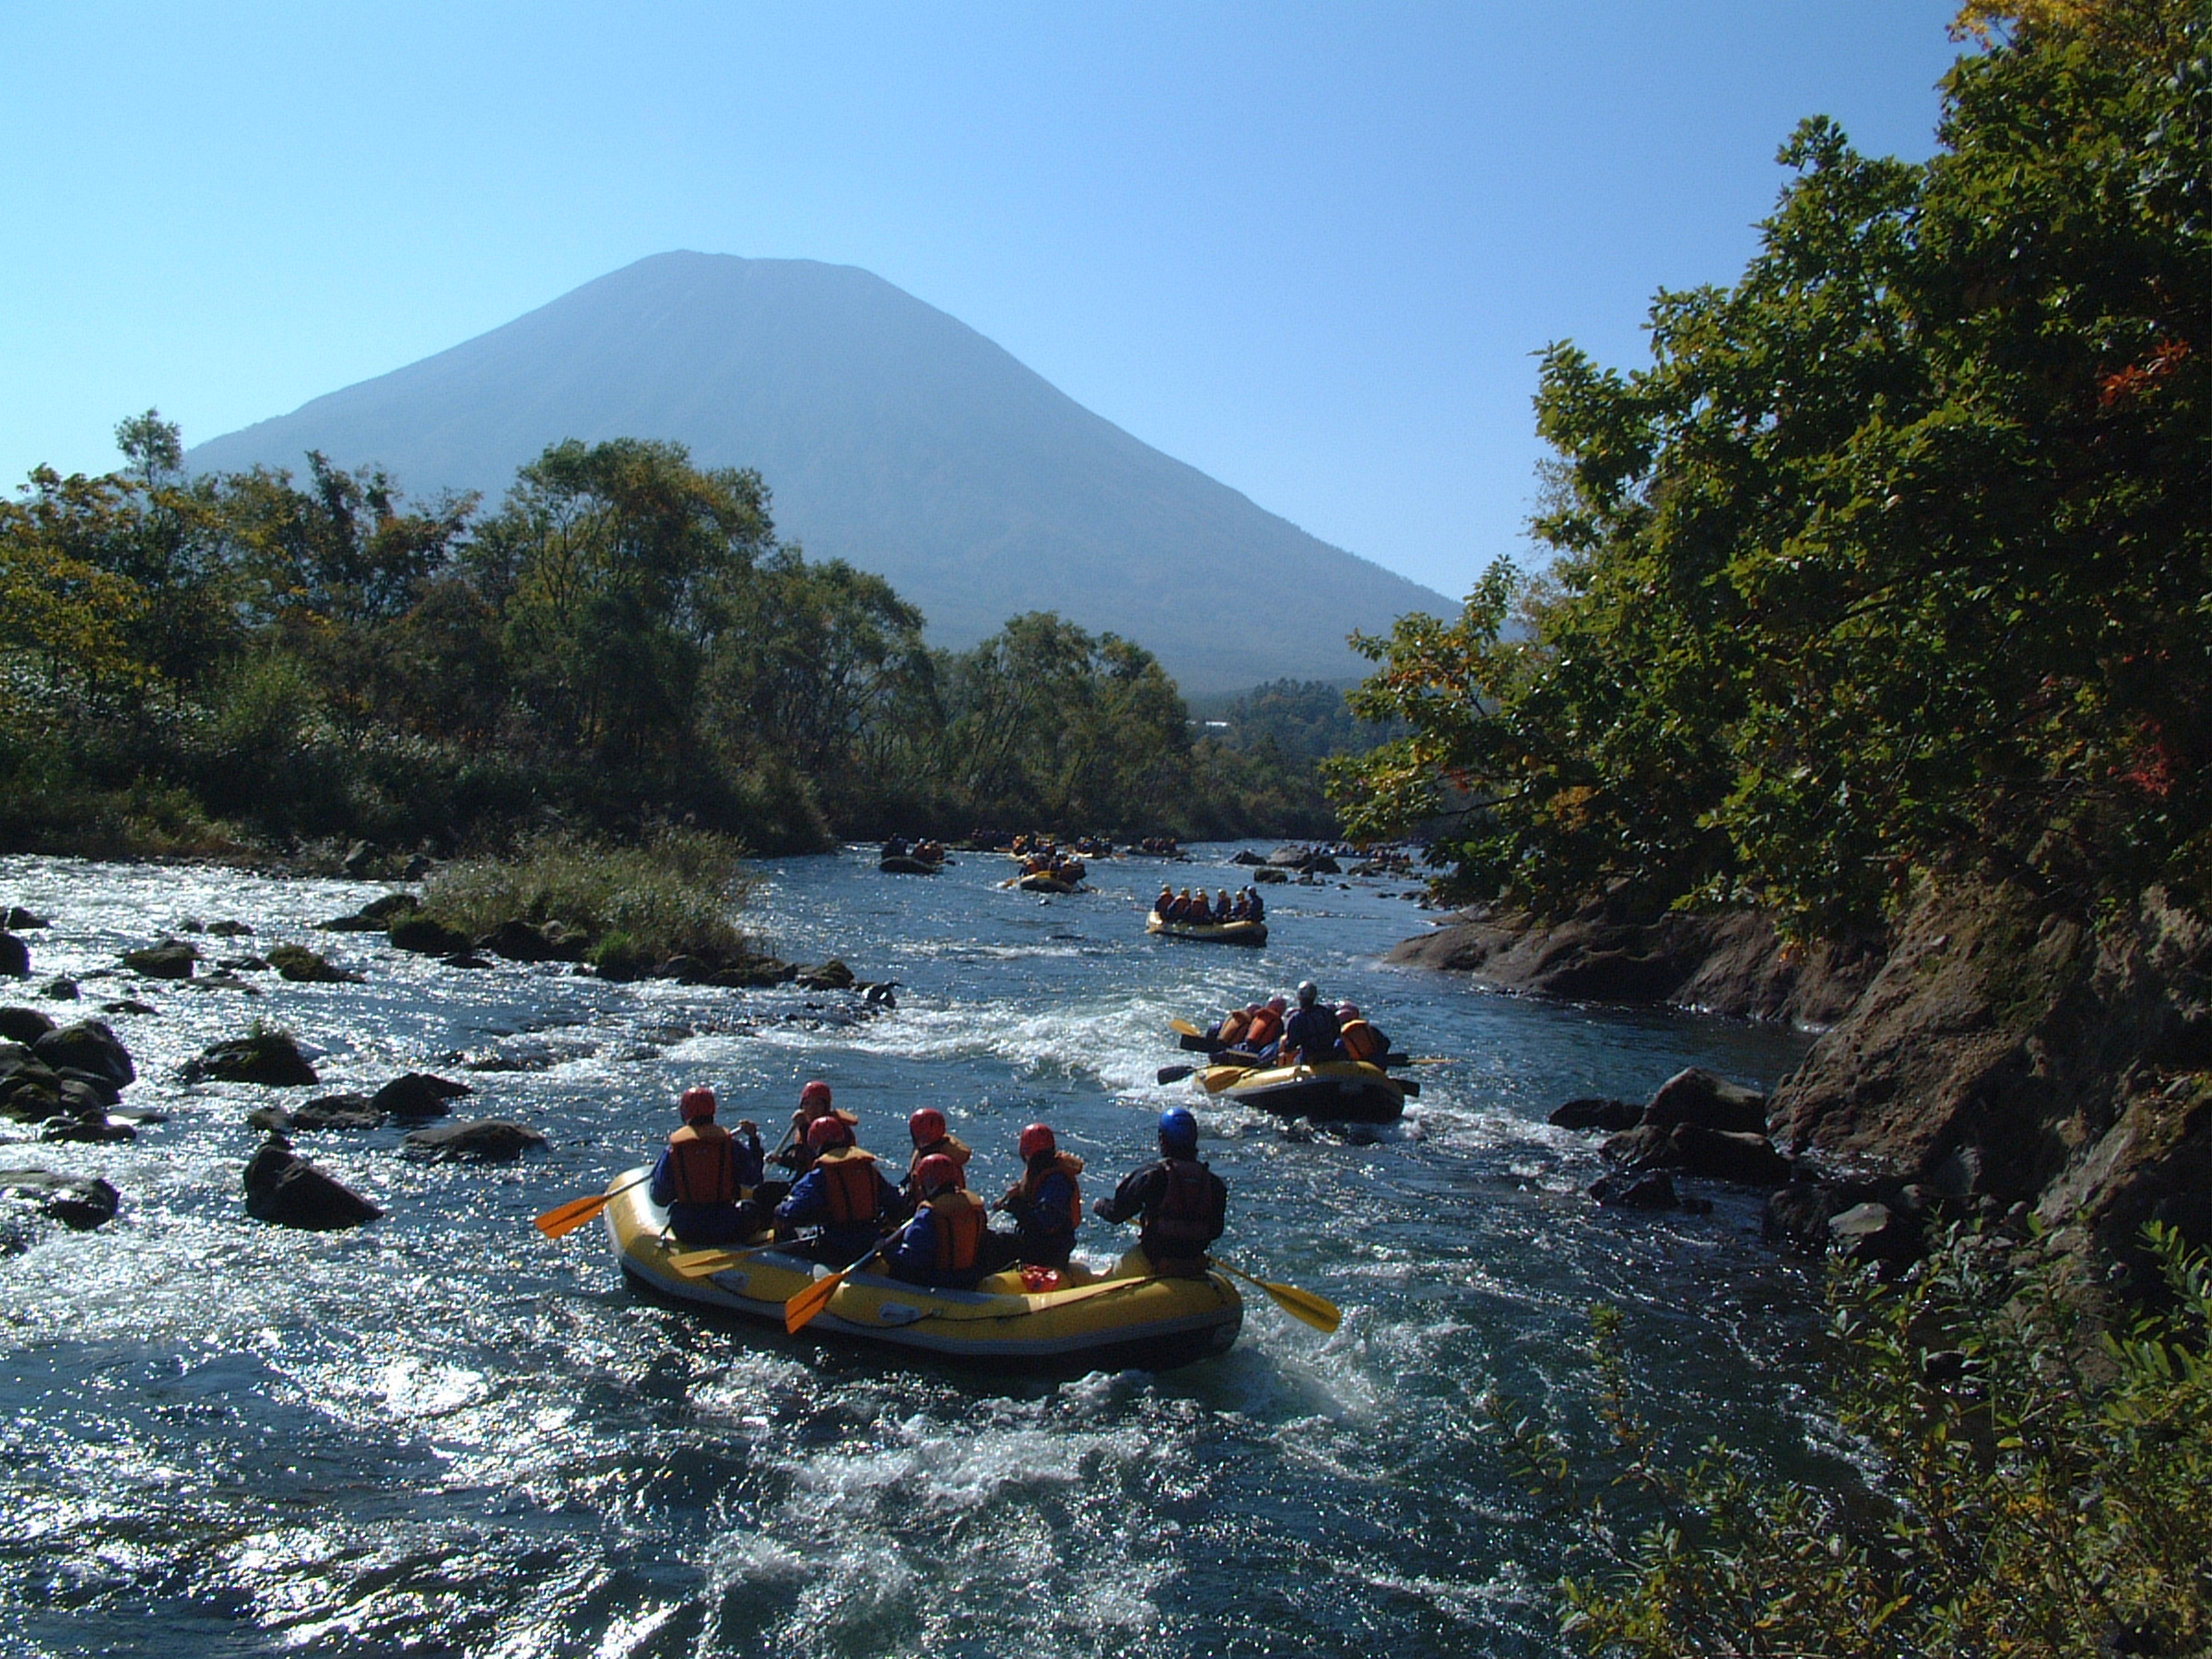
point(702, 1173)
point(814, 1103)
point(931, 1135)
point(1183, 1205)
point(844, 1194)
point(949, 1241)
point(1047, 1202)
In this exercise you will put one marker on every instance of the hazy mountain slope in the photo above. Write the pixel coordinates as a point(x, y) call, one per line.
point(891, 435)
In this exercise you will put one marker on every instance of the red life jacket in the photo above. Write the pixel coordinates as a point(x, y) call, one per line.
point(702, 1165)
point(961, 1220)
point(1361, 1041)
point(1069, 1165)
point(851, 1185)
point(1182, 1224)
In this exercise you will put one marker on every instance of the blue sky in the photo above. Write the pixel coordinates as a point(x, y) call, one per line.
point(1308, 248)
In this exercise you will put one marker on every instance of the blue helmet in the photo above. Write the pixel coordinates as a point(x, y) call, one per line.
point(1179, 1129)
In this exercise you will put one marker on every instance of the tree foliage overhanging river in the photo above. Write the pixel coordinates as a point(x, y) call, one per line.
point(442, 1433)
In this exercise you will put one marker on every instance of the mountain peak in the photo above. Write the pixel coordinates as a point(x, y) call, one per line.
point(891, 435)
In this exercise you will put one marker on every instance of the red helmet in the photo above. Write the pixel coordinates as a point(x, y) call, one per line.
point(814, 1093)
point(1036, 1138)
point(826, 1130)
point(698, 1101)
point(939, 1173)
point(926, 1125)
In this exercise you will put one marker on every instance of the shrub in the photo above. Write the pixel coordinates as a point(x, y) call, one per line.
point(2038, 1484)
point(675, 894)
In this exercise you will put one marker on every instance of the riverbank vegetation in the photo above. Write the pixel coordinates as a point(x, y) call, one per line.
point(1893, 559)
point(2039, 1484)
point(202, 662)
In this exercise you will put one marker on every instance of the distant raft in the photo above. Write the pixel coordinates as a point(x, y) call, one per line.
point(1209, 932)
point(1348, 1091)
point(1126, 1319)
point(1041, 883)
point(900, 865)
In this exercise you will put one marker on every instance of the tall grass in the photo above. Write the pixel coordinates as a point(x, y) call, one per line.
point(676, 893)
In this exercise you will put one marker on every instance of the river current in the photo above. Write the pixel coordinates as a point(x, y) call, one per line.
point(443, 1434)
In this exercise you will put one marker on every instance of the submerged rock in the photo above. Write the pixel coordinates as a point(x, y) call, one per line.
point(60, 989)
point(1593, 1112)
point(481, 1140)
point(79, 1202)
point(284, 1189)
point(337, 1112)
point(270, 1058)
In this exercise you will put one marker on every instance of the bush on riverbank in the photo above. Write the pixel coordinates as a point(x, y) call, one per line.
point(2036, 1486)
point(675, 894)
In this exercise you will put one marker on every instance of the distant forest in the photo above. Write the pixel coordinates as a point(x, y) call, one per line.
point(192, 663)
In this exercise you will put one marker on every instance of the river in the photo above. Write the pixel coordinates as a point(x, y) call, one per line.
point(444, 1434)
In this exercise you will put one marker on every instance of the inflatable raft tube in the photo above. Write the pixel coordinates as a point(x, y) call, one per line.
point(1209, 932)
point(1348, 1091)
point(1047, 884)
point(1117, 1321)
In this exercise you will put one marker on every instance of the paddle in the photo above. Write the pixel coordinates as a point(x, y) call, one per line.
point(801, 1309)
point(565, 1219)
point(1183, 1028)
point(1174, 1073)
point(1317, 1311)
point(704, 1264)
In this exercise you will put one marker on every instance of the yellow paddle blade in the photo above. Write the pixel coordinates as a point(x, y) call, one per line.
point(1317, 1311)
point(700, 1264)
point(801, 1309)
point(1183, 1028)
point(568, 1218)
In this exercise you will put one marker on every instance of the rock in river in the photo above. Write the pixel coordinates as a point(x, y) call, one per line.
point(266, 1057)
point(1612, 1116)
point(15, 957)
point(419, 1094)
point(285, 1189)
point(76, 1201)
point(24, 1025)
point(89, 1047)
point(171, 959)
point(309, 967)
point(1697, 1095)
point(481, 1140)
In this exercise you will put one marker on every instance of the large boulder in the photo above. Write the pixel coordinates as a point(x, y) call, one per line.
point(79, 1202)
point(24, 1025)
point(270, 1058)
point(1624, 1190)
point(480, 1140)
point(285, 1189)
point(88, 1046)
point(418, 1095)
point(1697, 1095)
point(831, 976)
point(171, 959)
point(427, 936)
point(15, 957)
point(1873, 1232)
point(1691, 1149)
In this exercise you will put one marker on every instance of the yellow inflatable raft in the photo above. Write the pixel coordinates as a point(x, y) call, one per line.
point(1126, 1319)
point(1349, 1091)
point(1207, 932)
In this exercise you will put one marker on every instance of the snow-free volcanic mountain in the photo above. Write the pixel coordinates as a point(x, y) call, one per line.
point(891, 435)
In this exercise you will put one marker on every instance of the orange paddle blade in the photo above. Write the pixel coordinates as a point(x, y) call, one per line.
point(801, 1309)
point(568, 1218)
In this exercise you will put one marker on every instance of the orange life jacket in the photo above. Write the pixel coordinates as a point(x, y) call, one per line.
point(1069, 1165)
point(1361, 1041)
point(1267, 1025)
point(702, 1166)
point(851, 1185)
point(961, 1220)
point(952, 1145)
point(1234, 1027)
